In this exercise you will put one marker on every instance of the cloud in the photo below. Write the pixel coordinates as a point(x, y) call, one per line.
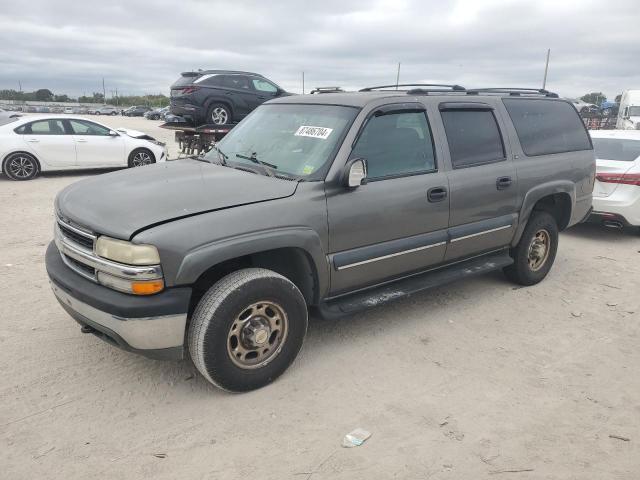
point(141, 47)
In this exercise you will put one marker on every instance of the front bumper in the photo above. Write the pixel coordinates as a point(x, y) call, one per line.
point(153, 326)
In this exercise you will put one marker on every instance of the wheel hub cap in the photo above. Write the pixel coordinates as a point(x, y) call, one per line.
point(539, 249)
point(257, 335)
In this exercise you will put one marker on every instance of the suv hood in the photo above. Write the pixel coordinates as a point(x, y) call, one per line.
point(120, 204)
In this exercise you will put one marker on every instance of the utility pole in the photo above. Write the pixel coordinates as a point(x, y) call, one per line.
point(104, 92)
point(303, 82)
point(546, 69)
point(19, 86)
point(398, 76)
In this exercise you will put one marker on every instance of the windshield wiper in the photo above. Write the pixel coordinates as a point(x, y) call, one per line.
point(254, 159)
point(222, 157)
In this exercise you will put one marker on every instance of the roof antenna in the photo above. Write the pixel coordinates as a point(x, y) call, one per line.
point(546, 69)
point(398, 76)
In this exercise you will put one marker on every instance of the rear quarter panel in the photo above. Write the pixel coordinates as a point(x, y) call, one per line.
point(572, 173)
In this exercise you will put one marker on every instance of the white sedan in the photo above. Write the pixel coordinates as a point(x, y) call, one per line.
point(33, 144)
point(616, 193)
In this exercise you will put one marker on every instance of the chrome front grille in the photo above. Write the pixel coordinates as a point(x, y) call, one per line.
point(82, 240)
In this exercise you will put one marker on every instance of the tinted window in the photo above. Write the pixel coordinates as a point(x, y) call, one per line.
point(396, 144)
point(473, 137)
point(616, 149)
point(235, 81)
point(210, 79)
point(84, 127)
point(264, 86)
point(545, 126)
point(43, 127)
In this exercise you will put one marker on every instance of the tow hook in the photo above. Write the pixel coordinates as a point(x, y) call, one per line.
point(87, 329)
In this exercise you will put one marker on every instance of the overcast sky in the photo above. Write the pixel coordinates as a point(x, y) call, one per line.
point(142, 46)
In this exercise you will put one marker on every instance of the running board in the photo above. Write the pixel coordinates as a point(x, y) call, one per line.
point(407, 286)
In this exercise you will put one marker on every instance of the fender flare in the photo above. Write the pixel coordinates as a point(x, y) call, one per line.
point(536, 194)
point(201, 259)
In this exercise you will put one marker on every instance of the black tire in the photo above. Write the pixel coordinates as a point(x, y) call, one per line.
point(21, 166)
point(219, 321)
point(528, 268)
point(114, 113)
point(219, 114)
point(141, 157)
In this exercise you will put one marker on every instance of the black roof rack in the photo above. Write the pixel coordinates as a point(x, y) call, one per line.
point(515, 92)
point(326, 90)
point(442, 87)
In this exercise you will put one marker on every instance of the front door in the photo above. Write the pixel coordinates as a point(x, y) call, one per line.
point(482, 182)
point(95, 147)
point(50, 143)
point(396, 223)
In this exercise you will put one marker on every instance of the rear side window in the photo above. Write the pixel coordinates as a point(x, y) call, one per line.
point(236, 81)
point(473, 136)
point(622, 149)
point(42, 127)
point(545, 127)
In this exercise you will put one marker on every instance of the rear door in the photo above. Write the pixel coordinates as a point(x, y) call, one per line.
point(50, 143)
point(482, 179)
point(241, 93)
point(396, 223)
point(95, 147)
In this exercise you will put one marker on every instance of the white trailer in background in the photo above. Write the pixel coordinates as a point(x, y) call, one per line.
point(629, 112)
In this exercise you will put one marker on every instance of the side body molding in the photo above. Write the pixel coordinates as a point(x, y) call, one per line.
point(199, 260)
point(535, 194)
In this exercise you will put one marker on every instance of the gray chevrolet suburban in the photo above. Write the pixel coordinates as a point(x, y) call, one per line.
point(334, 202)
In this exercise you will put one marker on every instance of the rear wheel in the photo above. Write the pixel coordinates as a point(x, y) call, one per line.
point(21, 166)
point(247, 329)
point(536, 250)
point(219, 114)
point(141, 157)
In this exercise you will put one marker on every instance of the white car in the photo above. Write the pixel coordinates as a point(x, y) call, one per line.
point(616, 193)
point(33, 144)
point(68, 110)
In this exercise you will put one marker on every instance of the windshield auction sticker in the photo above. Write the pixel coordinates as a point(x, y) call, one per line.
point(314, 132)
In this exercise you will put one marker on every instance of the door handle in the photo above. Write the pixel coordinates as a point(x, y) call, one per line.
point(33, 140)
point(81, 140)
point(436, 194)
point(503, 182)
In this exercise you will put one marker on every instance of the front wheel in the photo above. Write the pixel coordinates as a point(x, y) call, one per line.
point(21, 166)
point(247, 329)
point(141, 157)
point(536, 250)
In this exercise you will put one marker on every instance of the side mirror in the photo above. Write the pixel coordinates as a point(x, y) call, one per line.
point(355, 173)
point(113, 133)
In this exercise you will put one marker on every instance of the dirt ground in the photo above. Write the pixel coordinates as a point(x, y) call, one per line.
point(476, 380)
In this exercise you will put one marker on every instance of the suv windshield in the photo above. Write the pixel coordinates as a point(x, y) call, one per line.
point(292, 139)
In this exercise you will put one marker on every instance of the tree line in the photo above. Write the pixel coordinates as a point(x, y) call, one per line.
point(598, 98)
point(46, 95)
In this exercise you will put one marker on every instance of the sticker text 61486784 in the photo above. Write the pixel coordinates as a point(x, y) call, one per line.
point(314, 132)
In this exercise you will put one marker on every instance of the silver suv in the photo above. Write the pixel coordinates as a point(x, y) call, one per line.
point(336, 202)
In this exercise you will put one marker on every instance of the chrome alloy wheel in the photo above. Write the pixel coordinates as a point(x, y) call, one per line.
point(21, 167)
point(257, 335)
point(539, 249)
point(142, 158)
point(219, 116)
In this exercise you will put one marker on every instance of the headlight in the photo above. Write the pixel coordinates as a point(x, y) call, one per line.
point(127, 252)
